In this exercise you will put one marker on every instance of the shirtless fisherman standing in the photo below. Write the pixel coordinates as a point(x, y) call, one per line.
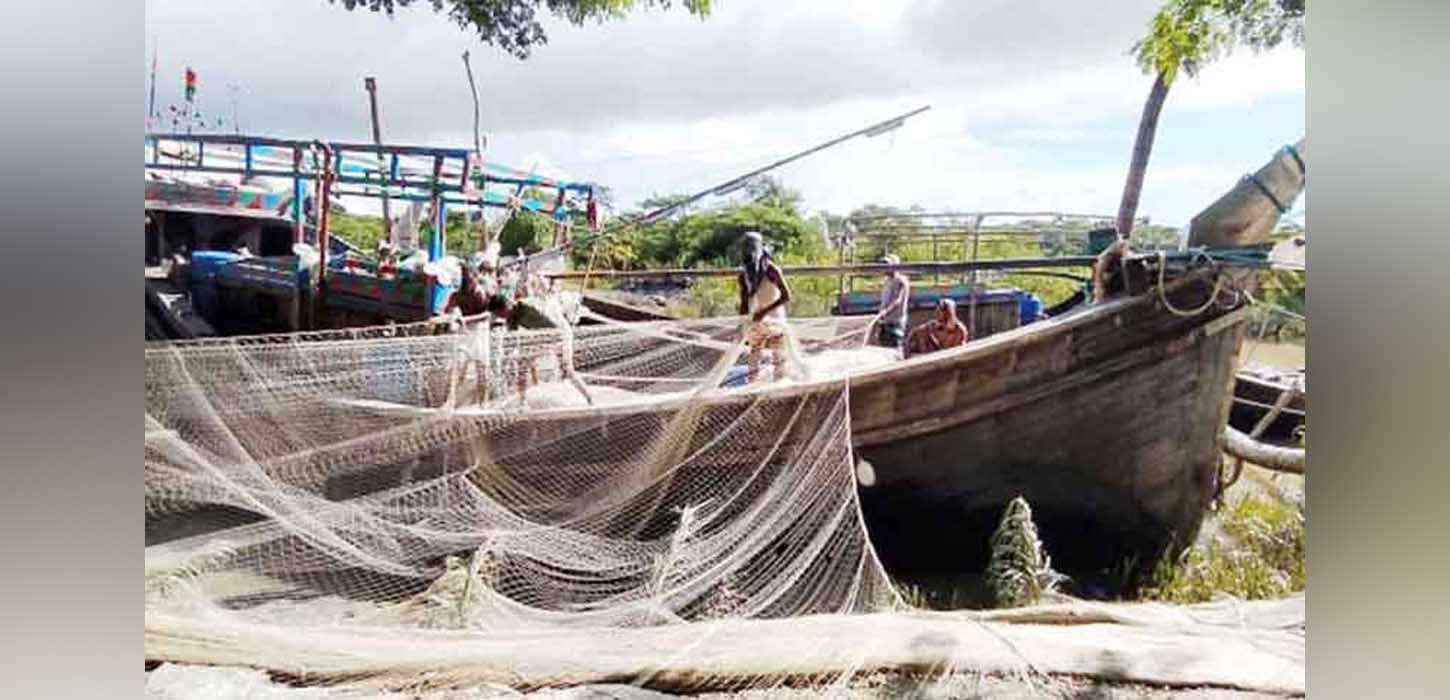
point(763, 296)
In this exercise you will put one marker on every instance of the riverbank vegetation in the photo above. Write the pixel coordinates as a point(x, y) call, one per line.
point(706, 238)
point(1258, 553)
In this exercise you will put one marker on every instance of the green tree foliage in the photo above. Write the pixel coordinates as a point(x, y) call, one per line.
point(709, 238)
point(514, 25)
point(361, 231)
point(1285, 290)
point(1184, 36)
point(525, 232)
point(365, 232)
point(871, 221)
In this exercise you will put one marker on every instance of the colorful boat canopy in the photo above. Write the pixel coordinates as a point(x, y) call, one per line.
point(179, 195)
point(408, 173)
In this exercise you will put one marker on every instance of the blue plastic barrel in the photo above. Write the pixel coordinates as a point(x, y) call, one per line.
point(205, 264)
point(1029, 305)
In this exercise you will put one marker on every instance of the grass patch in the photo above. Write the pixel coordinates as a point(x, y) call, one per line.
point(1259, 555)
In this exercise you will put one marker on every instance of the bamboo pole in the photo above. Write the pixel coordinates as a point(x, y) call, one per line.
point(736, 183)
point(371, 85)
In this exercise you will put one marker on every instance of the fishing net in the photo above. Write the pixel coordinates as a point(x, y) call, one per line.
point(497, 485)
point(487, 513)
point(434, 326)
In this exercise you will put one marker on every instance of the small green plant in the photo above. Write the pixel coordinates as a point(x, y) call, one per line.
point(1260, 556)
point(1019, 571)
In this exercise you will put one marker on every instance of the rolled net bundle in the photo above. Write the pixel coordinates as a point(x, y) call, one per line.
point(488, 507)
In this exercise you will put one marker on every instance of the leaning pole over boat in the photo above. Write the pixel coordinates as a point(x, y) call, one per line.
point(730, 185)
point(1245, 216)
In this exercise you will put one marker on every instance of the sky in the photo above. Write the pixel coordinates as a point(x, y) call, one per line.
point(1034, 104)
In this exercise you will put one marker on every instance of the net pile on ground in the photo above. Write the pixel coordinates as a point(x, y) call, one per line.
point(416, 482)
point(529, 509)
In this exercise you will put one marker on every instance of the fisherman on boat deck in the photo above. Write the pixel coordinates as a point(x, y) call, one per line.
point(763, 296)
point(891, 316)
point(469, 299)
point(944, 331)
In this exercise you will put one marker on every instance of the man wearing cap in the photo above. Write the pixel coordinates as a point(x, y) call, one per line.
point(891, 316)
point(763, 296)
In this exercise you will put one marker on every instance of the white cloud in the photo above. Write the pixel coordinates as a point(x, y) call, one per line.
point(1242, 79)
point(664, 102)
point(1047, 135)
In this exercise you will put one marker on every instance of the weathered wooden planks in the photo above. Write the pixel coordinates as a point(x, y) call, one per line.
point(1107, 419)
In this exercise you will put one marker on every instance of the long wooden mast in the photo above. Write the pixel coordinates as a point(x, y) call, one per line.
point(736, 183)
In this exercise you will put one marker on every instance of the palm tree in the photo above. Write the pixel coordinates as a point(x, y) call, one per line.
point(1184, 36)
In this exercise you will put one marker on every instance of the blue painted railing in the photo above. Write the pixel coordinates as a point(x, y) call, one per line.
point(444, 176)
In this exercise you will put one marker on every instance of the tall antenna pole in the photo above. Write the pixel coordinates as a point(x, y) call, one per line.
point(151, 102)
point(477, 138)
point(486, 239)
point(232, 93)
point(371, 85)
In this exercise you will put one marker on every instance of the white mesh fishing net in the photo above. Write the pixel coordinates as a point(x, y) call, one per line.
point(396, 513)
point(496, 483)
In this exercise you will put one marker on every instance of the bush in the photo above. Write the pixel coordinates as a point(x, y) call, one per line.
point(1260, 557)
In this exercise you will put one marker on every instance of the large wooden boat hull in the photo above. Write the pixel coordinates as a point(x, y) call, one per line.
point(1106, 420)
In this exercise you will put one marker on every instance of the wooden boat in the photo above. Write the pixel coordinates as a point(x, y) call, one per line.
point(1257, 390)
point(1108, 417)
point(211, 195)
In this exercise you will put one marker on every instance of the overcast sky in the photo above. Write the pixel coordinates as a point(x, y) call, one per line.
point(1034, 105)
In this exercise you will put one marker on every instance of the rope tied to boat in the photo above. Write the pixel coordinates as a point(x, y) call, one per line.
point(1118, 251)
point(1162, 287)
